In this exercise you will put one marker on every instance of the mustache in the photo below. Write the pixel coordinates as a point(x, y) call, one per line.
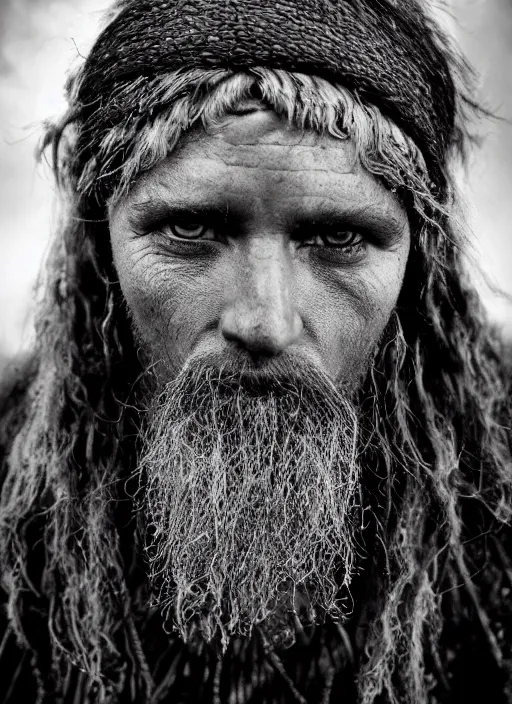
point(260, 371)
point(298, 381)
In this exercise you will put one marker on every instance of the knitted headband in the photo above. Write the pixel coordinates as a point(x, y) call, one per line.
point(387, 53)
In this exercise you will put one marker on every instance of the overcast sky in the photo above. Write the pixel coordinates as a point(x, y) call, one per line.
point(41, 39)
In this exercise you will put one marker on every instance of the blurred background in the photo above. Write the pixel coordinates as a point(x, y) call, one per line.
point(40, 40)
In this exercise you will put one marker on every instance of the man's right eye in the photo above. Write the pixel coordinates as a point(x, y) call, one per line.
point(187, 231)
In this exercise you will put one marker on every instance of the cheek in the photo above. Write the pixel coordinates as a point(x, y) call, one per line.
point(346, 312)
point(173, 305)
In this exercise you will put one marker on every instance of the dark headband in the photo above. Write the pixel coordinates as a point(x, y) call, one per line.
point(384, 52)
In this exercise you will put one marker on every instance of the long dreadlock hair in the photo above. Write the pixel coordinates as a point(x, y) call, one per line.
point(435, 405)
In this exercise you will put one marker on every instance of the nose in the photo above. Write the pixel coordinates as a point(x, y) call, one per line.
point(261, 317)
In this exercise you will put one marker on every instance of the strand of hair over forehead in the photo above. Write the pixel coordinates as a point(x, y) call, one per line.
point(160, 113)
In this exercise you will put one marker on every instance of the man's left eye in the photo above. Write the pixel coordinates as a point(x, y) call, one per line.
point(347, 240)
point(341, 238)
point(188, 231)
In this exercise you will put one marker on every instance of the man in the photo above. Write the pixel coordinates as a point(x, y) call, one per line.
point(261, 453)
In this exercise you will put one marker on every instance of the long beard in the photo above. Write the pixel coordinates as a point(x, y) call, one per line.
point(250, 502)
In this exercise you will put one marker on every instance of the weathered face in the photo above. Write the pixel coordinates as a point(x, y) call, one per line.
point(272, 254)
point(261, 240)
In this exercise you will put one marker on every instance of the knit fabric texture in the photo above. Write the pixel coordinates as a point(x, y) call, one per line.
point(387, 53)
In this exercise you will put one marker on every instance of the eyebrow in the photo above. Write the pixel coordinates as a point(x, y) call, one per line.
point(364, 215)
point(158, 203)
point(152, 211)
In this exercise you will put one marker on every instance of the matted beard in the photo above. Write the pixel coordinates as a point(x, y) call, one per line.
point(250, 502)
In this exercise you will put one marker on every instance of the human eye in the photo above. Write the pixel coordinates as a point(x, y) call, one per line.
point(345, 241)
point(186, 230)
point(169, 222)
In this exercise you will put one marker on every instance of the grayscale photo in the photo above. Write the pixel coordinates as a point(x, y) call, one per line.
point(255, 352)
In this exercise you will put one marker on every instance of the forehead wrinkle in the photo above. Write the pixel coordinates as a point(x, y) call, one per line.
point(154, 182)
point(168, 175)
point(253, 155)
